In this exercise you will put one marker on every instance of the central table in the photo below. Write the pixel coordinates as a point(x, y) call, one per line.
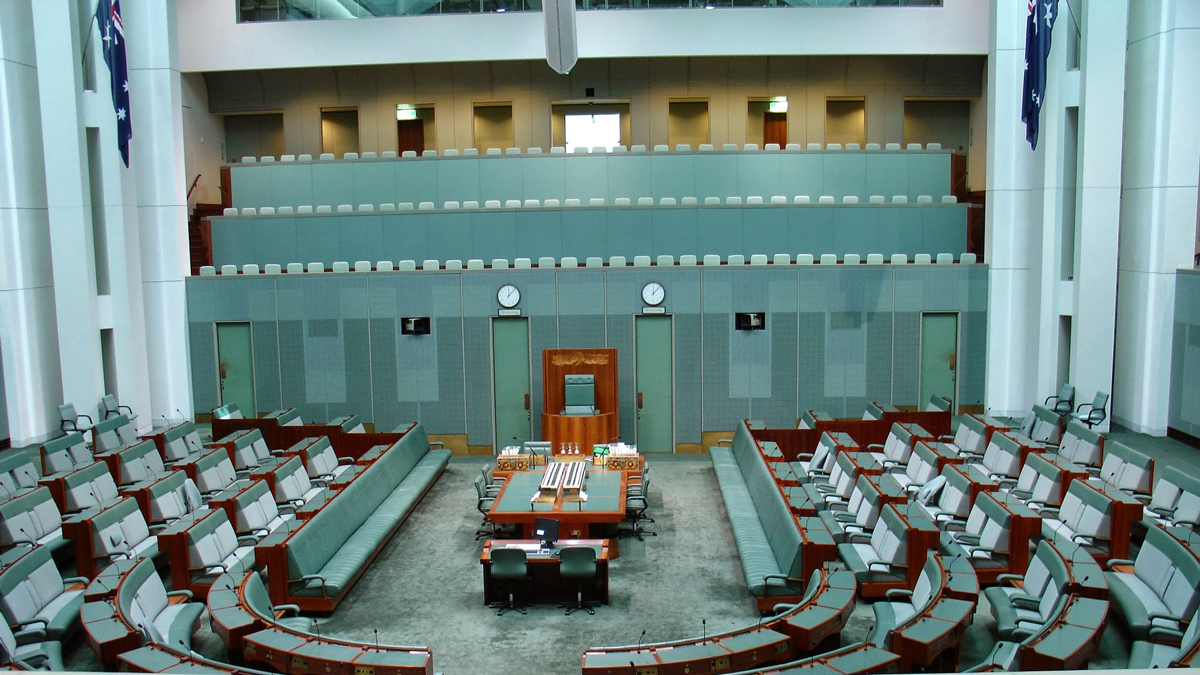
point(605, 503)
point(545, 583)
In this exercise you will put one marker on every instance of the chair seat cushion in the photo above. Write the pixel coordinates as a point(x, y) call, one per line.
point(178, 622)
point(888, 615)
point(61, 614)
point(1148, 655)
point(1134, 601)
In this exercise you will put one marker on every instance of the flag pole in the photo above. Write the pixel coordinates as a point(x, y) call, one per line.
point(88, 42)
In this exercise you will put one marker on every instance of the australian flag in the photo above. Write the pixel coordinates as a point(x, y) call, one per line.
point(112, 33)
point(1042, 14)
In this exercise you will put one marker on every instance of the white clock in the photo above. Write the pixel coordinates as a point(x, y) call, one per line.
point(653, 293)
point(508, 296)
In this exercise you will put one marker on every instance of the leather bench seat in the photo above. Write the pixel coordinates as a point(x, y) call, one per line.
point(327, 553)
point(1165, 583)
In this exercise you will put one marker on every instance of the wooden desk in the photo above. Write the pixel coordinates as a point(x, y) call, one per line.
point(586, 430)
point(1071, 641)
point(545, 583)
point(946, 454)
point(1125, 512)
point(605, 503)
point(1070, 471)
point(933, 638)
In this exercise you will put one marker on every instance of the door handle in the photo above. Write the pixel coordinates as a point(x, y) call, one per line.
point(527, 401)
point(953, 361)
point(639, 400)
point(223, 373)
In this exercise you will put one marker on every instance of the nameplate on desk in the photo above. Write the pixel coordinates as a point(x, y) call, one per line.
point(509, 312)
point(654, 310)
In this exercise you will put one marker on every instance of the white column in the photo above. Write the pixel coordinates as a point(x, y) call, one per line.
point(157, 155)
point(56, 34)
point(1013, 245)
point(1098, 204)
point(1158, 204)
point(27, 322)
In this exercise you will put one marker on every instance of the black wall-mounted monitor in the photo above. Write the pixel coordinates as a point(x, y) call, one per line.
point(750, 320)
point(414, 325)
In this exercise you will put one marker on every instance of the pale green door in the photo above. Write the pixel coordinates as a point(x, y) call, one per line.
point(235, 366)
point(510, 374)
point(655, 382)
point(939, 356)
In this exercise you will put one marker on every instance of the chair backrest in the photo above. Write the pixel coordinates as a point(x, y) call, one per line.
point(922, 464)
point(291, 481)
point(119, 529)
point(214, 472)
point(88, 487)
point(28, 585)
point(1171, 570)
point(181, 442)
point(18, 475)
point(1126, 468)
point(141, 597)
point(955, 498)
point(211, 540)
point(29, 518)
point(508, 562)
point(890, 537)
point(140, 462)
point(65, 453)
point(1081, 445)
point(173, 498)
point(254, 508)
point(577, 561)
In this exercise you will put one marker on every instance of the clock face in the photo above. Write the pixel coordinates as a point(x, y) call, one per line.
point(653, 293)
point(508, 296)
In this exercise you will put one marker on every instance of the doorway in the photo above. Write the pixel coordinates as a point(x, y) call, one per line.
point(410, 135)
point(511, 380)
point(235, 366)
point(939, 356)
point(654, 373)
point(774, 128)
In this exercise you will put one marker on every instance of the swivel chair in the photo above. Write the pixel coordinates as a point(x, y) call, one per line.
point(636, 504)
point(112, 408)
point(483, 505)
point(492, 485)
point(70, 419)
point(508, 566)
point(1096, 413)
point(1064, 402)
point(578, 564)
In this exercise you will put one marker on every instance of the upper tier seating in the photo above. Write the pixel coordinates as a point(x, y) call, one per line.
point(65, 454)
point(625, 175)
point(138, 463)
point(1163, 588)
point(984, 538)
point(1039, 483)
point(89, 487)
point(970, 436)
point(293, 488)
point(25, 651)
point(113, 434)
point(317, 564)
point(903, 607)
point(1043, 425)
point(174, 498)
point(767, 535)
point(882, 555)
point(1001, 461)
point(1023, 610)
point(818, 463)
point(34, 595)
point(256, 511)
point(952, 501)
point(214, 473)
point(825, 492)
point(214, 549)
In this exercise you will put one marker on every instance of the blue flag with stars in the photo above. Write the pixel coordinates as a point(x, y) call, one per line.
point(1042, 14)
point(112, 33)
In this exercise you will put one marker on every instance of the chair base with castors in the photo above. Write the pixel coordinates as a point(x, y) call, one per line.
point(508, 568)
point(579, 603)
point(503, 606)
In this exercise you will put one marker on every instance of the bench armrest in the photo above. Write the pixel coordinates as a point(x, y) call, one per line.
point(249, 541)
point(1025, 601)
point(76, 580)
point(872, 446)
point(1117, 561)
point(894, 593)
point(886, 567)
point(284, 609)
point(184, 593)
point(1163, 615)
point(856, 538)
point(1010, 577)
point(315, 577)
point(345, 460)
point(1166, 636)
point(787, 581)
point(436, 444)
point(30, 636)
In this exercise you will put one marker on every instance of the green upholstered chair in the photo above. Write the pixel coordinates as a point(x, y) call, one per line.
point(34, 595)
point(1097, 410)
point(21, 651)
point(1064, 403)
point(578, 564)
point(65, 453)
point(636, 504)
point(260, 602)
point(484, 504)
point(1162, 591)
point(509, 568)
point(493, 483)
point(1148, 655)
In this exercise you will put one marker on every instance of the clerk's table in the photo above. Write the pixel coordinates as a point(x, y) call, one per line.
point(545, 584)
point(603, 502)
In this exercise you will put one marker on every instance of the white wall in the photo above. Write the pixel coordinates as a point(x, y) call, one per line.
point(211, 40)
point(204, 141)
point(649, 84)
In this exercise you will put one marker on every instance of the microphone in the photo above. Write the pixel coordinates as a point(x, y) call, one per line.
point(317, 627)
point(703, 631)
point(186, 649)
point(181, 415)
point(376, 639)
point(31, 540)
point(639, 644)
point(633, 666)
